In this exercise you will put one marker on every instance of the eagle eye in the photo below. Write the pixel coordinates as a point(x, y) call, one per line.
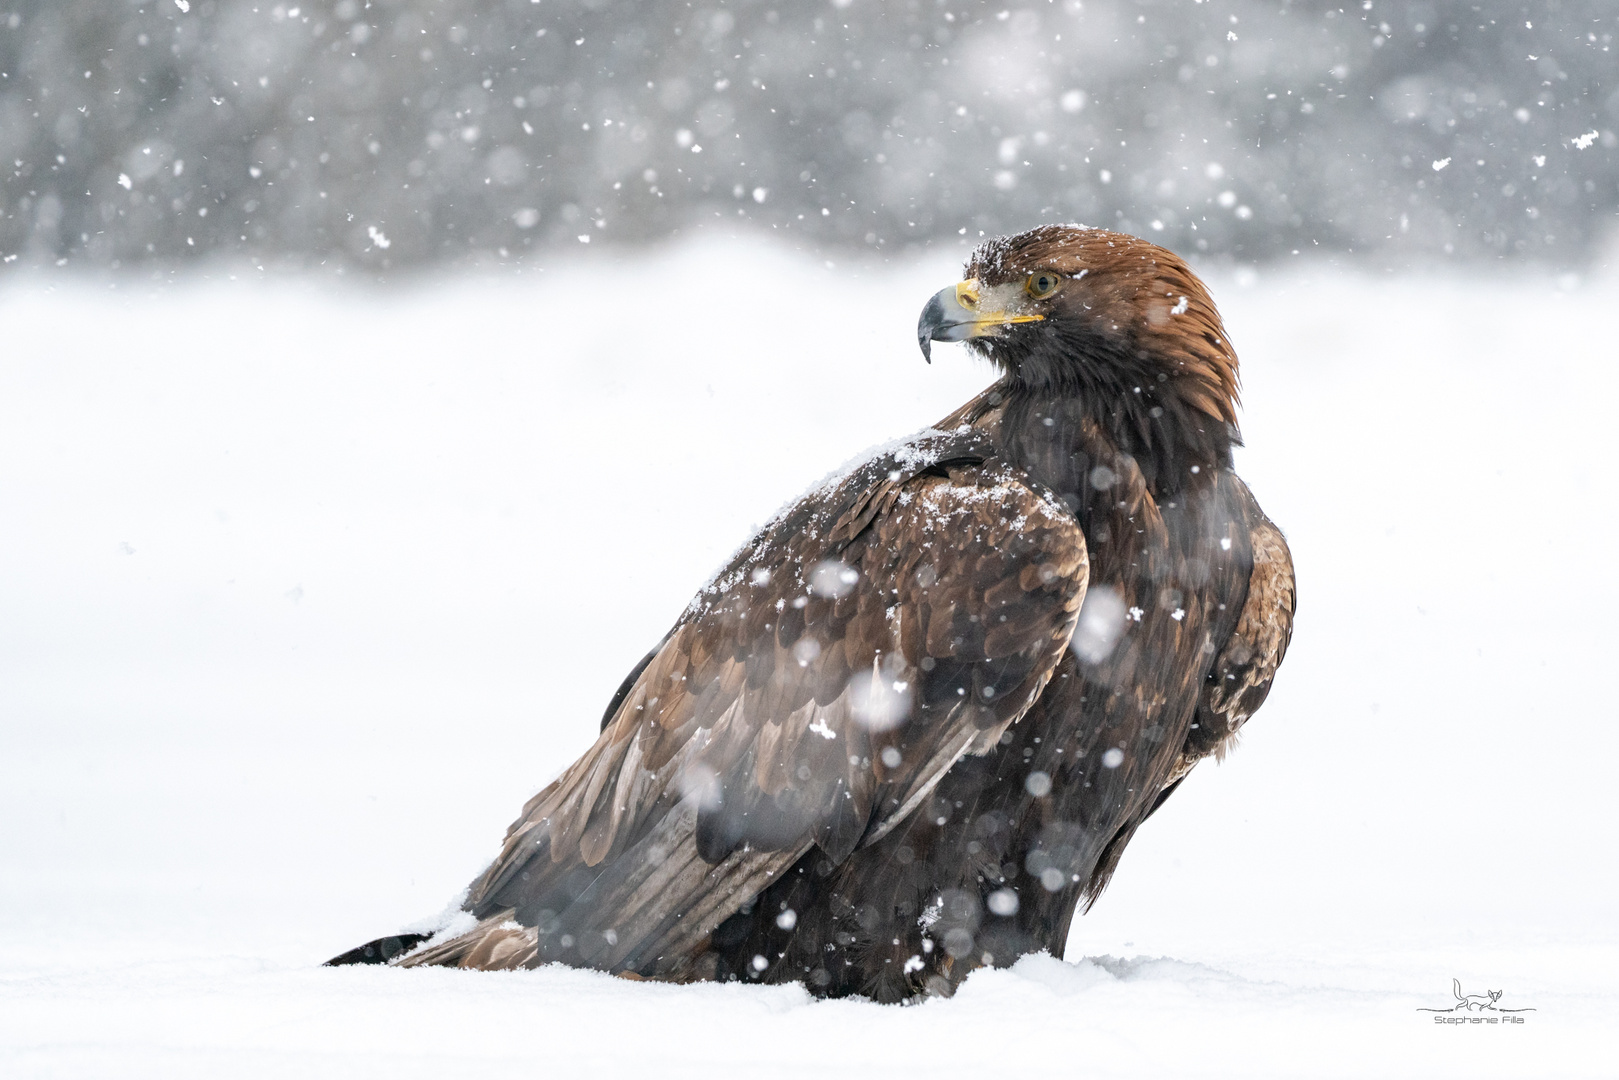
point(1042, 284)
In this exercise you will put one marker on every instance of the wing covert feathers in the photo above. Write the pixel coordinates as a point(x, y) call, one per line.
point(1241, 677)
point(813, 695)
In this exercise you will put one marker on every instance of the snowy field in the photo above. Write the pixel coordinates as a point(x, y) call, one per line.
point(305, 587)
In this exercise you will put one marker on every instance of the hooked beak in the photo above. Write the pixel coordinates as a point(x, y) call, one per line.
point(967, 310)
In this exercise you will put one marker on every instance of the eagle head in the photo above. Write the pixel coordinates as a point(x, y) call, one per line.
point(1065, 308)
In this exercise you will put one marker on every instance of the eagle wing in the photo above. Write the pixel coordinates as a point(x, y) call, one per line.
point(1240, 679)
point(812, 695)
point(1249, 647)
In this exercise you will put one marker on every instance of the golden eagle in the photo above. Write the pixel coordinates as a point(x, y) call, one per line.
point(914, 722)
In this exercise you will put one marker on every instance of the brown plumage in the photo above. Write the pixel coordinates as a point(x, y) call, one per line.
point(914, 723)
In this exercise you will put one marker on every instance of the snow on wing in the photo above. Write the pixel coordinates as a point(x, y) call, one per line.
point(813, 695)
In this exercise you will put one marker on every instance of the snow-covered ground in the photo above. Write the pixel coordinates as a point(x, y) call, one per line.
point(304, 588)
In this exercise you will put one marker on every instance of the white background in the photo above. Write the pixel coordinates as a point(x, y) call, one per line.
point(306, 586)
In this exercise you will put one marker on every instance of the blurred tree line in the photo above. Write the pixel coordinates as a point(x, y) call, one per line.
point(392, 133)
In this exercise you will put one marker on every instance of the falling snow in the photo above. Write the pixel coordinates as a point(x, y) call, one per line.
point(857, 128)
point(310, 585)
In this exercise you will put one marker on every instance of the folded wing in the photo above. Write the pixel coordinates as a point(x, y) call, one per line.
point(1241, 677)
point(813, 695)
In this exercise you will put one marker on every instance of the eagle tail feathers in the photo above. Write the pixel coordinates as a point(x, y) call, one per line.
point(382, 950)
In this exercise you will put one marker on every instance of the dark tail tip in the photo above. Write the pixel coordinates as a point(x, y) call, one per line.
point(379, 951)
